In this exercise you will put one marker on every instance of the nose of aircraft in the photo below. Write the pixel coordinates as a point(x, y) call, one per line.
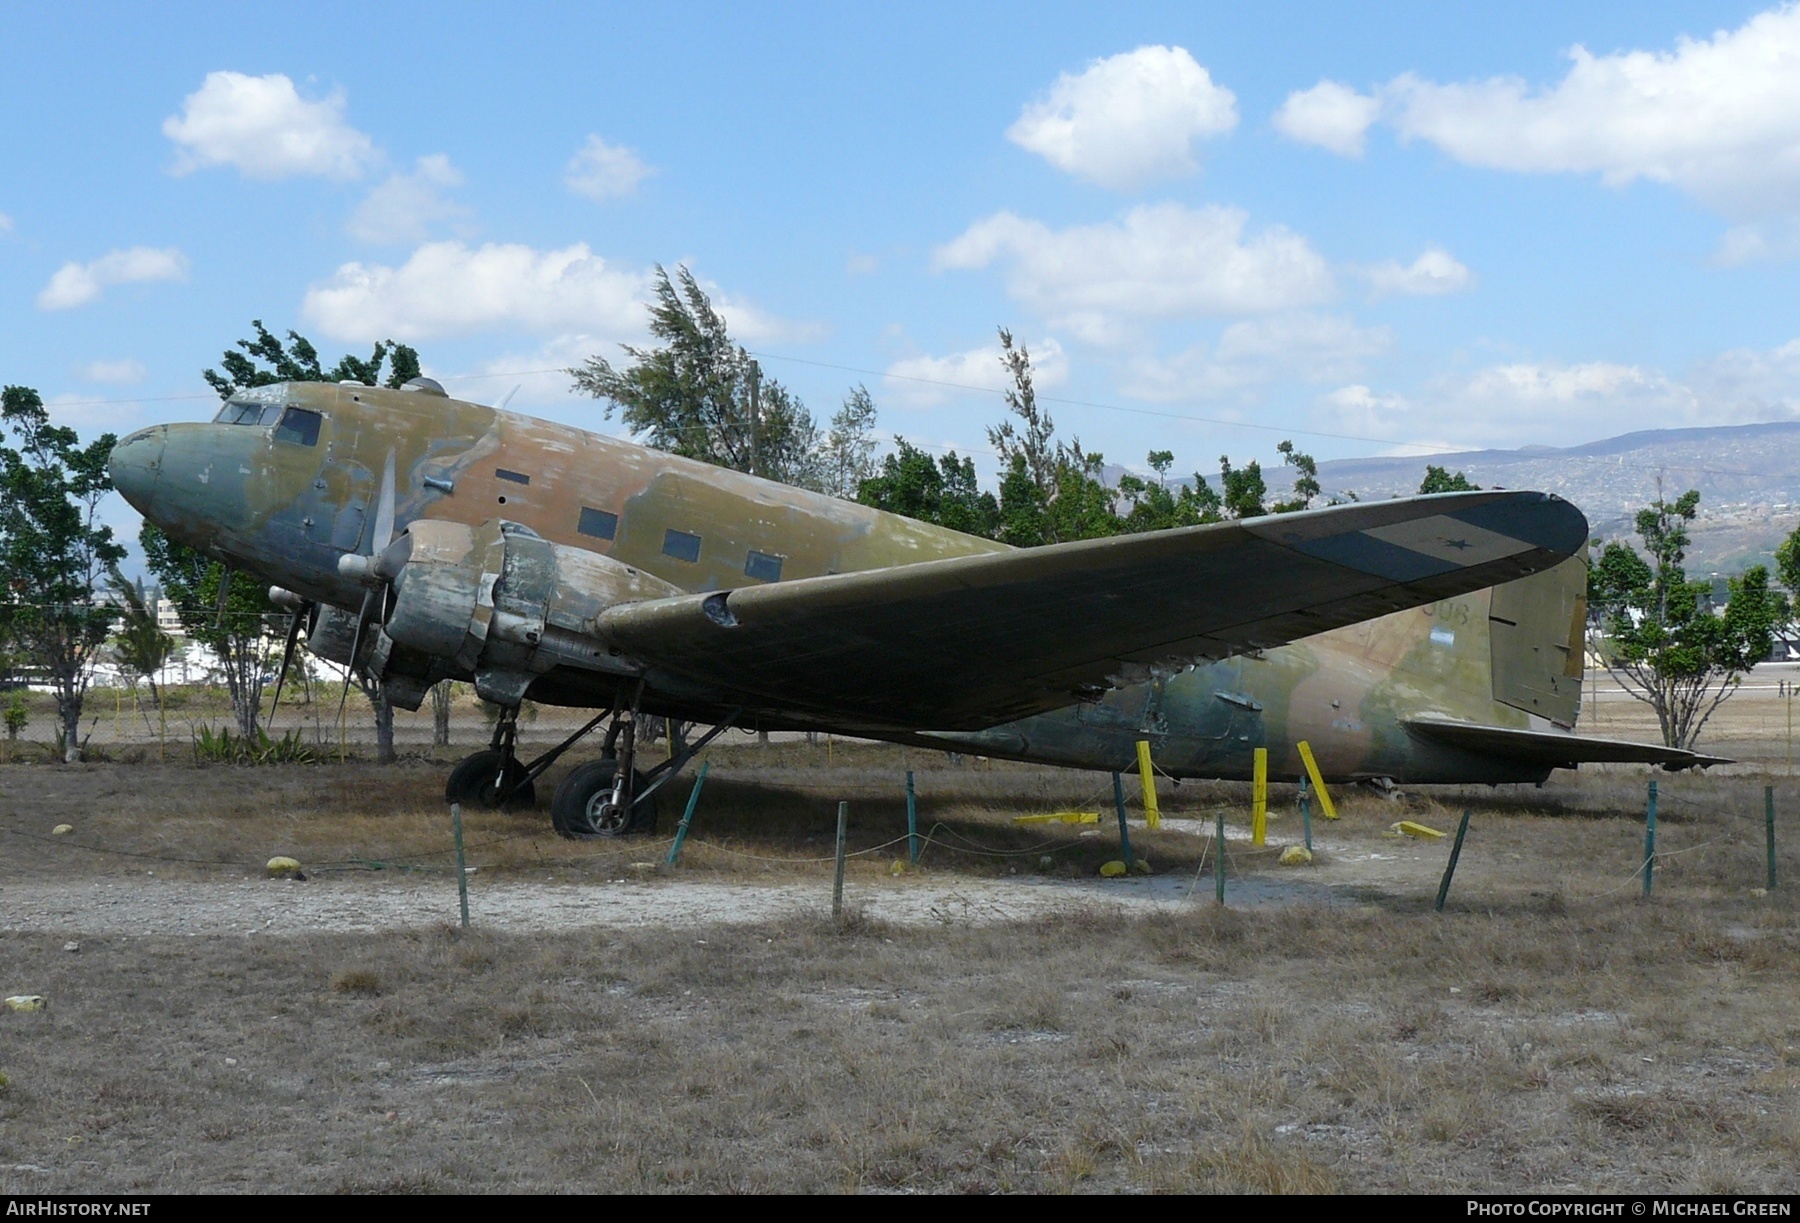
point(136, 464)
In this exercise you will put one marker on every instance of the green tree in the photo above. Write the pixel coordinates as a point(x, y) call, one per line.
point(1678, 654)
point(1242, 489)
point(1306, 480)
point(1438, 480)
point(1152, 507)
point(265, 361)
point(847, 455)
point(944, 492)
point(54, 552)
point(140, 646)
point(692, 396)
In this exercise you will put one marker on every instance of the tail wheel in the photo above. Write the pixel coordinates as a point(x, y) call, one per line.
point(583, 805)
point(480, 780)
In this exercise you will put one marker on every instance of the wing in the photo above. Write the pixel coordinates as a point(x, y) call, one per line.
point(973, 641)
point(1557, 749)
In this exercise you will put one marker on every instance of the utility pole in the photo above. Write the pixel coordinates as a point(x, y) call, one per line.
point(755, 419)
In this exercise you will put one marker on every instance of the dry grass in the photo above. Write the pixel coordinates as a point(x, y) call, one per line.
point(1549, 1031)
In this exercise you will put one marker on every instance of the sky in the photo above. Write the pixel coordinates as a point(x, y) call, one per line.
point(1370, 229)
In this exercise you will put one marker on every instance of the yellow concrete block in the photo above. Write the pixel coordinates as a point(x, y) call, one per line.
point(1412, 829)
point(1113, 869)
point(1060, 817)
point(1295, 855)
point(25, 1002)
point(62, 830)
point(283, 868)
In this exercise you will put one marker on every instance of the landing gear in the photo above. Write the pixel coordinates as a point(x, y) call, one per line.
point(494, 779)
point(490, 780)
point(586, 803)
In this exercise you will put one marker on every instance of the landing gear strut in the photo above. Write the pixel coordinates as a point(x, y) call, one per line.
point(494, 779)
point(610, 798)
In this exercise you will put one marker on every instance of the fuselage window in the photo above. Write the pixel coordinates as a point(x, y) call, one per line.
point(299, 426)
point(598, 523)
point(762, 566)
point(681, 545)
point(517, 477)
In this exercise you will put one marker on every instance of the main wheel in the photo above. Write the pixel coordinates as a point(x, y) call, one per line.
point(583, 807)
point(479, 781)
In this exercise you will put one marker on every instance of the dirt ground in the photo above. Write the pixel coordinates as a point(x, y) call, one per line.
point(997, 1018)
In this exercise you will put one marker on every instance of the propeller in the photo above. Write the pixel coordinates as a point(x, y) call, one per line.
point(299, 607)
point(364, 568)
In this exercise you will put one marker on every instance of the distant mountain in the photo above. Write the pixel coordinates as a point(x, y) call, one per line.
point(1748, 477)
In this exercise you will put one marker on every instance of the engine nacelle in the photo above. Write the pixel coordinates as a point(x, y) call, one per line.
point(501, 603)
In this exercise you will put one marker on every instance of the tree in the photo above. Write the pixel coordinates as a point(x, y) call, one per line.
point(944, 492)
point(1306, 479)
point(140, 646)
point(1030, 442)
point(847, 455)
point(1152, 507)
point(1438, 480)
point(1683, 657)
point(298, 361)
point(234, 618)
point(1242, 489)
point(693, 395)
point(54, 552)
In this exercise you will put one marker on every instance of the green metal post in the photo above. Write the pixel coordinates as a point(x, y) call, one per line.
point(1462, 830)
point(687, 817)
point(1124, 833)
point(1219, 857)
point(1650, 840)
point(1769, 823)
point(912, 820)
point(837, 886)
point(462, 871)
point(1305, 814)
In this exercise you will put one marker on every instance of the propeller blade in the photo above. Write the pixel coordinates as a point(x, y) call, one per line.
point(224, 593)
point(384, 509)
point(362, 620)
point(287, 659)
point(507, 398)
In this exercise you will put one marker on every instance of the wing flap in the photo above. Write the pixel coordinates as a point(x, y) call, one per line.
point(973, 641)
point(1556, 748)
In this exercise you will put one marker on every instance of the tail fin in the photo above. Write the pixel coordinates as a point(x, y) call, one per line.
point(1536, 631)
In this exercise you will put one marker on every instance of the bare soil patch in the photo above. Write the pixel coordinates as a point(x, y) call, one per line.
point(997, 1020)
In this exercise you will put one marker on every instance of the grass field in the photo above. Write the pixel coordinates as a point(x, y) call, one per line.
point(1550, 1030)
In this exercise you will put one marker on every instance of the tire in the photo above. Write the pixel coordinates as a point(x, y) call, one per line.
point(476, 782)
point(577, 808)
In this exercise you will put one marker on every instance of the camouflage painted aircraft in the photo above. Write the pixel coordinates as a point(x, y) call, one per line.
point(422, 538)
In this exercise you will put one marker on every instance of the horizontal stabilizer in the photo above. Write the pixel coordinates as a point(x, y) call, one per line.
point(1556, 748)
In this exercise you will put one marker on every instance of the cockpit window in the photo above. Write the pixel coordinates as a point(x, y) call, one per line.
point(237, 412)
point(299, 426)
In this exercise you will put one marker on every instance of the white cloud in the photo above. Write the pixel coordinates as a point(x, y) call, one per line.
point(924, 381)
point(1127, 120)
point(126, 371)
point(262, 125)
point(407, 206)
point(1432, 273)
point(451, 288)
point(1330, 115)
point(448, 288)
point(861, 265)
point(1717, 118)
point(602, 171)
point(1254, 353)
point(77, 284)
point(6, 224)
point(1158, 261)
